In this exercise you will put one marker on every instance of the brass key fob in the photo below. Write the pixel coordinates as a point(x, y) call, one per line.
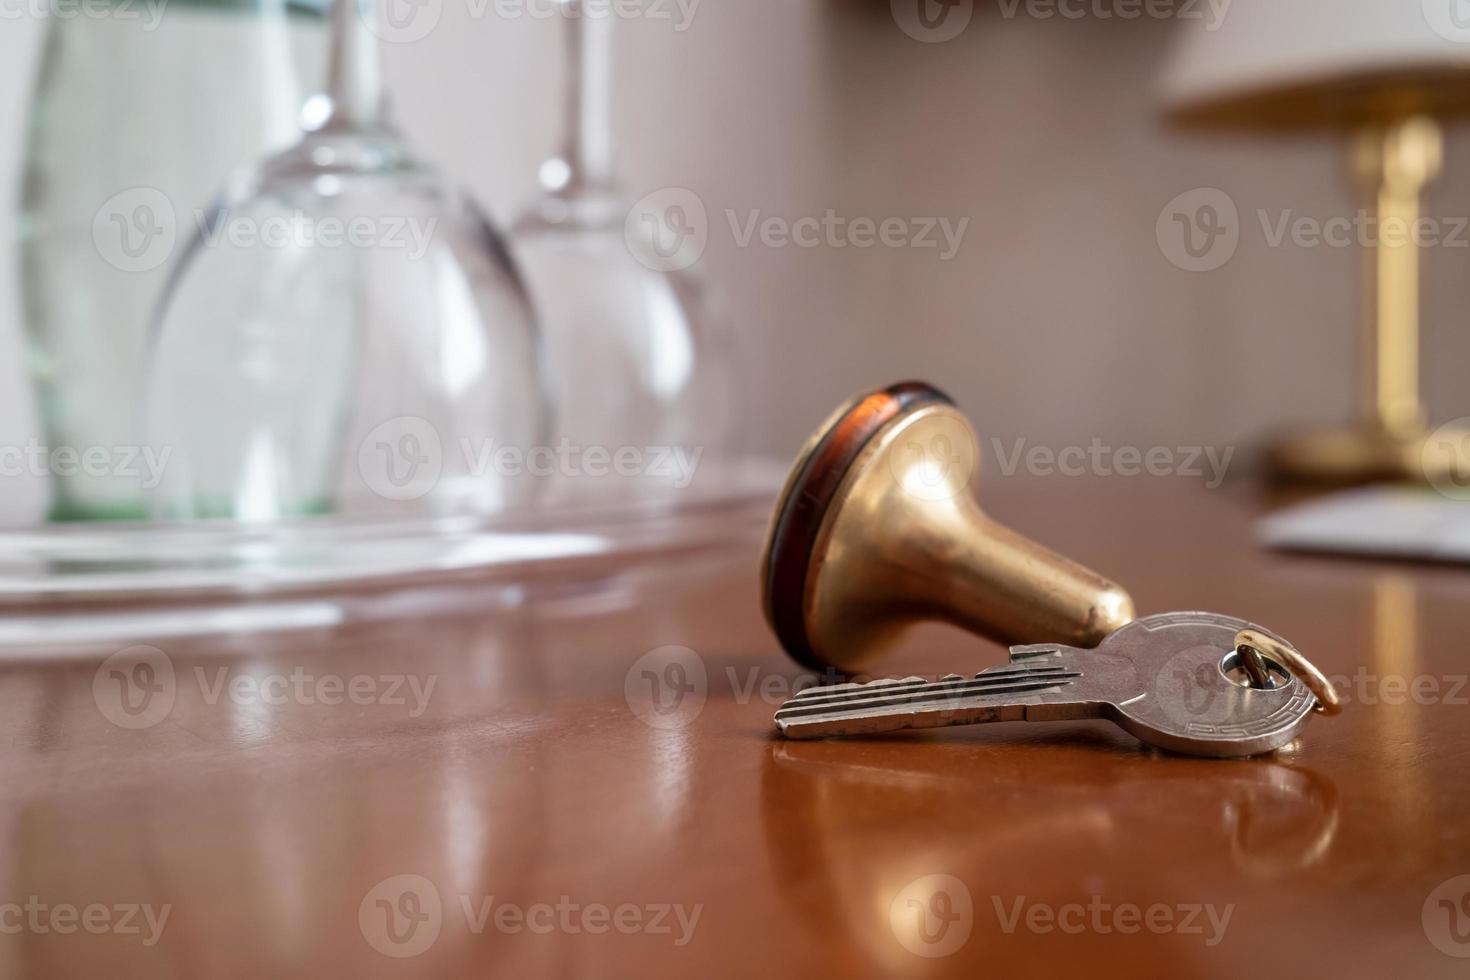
point(878, 528)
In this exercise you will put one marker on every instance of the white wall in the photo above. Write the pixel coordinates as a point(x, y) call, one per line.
point(1059, 320)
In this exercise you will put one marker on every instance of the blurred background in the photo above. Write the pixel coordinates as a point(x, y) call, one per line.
point(1058, 318)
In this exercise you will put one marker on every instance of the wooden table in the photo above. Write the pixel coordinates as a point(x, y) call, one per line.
point(540, 815)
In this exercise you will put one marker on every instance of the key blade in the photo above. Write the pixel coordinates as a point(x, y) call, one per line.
point(910, 692)
point(879, 706)
point(840, 693)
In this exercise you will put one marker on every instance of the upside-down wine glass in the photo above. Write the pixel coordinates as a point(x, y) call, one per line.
point(346, 333)
point(641, 364)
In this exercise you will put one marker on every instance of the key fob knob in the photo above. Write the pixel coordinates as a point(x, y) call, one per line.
point(878, 528)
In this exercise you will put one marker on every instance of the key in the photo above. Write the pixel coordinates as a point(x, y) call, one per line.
point(1178, 681)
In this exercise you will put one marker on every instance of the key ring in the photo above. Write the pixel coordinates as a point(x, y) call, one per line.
point(1252, 644)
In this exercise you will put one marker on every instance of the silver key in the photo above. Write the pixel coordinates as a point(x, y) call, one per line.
point(1173, 680)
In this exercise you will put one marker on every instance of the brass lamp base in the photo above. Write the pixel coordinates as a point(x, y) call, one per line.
point(1359, 454)
point(1394, 163)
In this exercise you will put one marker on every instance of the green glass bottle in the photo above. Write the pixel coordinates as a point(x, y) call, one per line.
point(141, 110)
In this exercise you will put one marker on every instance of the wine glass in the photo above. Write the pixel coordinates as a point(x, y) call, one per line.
point(345, 332)
point(641, 362)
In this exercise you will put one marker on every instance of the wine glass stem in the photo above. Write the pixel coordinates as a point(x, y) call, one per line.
point(354, 68)
point(587, 127)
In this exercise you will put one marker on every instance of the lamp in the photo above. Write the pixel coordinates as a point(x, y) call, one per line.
point(1386, 73)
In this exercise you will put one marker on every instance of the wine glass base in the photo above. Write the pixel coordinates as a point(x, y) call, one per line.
point(76, 586)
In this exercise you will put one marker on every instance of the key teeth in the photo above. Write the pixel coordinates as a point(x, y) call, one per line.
point(879, 682)
point(1029, 651)
point(816, 690)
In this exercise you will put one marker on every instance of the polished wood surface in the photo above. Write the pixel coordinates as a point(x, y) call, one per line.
point(556, 822)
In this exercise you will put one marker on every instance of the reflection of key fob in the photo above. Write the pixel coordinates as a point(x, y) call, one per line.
point(878, 529)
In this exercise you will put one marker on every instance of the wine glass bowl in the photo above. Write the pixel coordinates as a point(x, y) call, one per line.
point(641, 360)
point(345, 334)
